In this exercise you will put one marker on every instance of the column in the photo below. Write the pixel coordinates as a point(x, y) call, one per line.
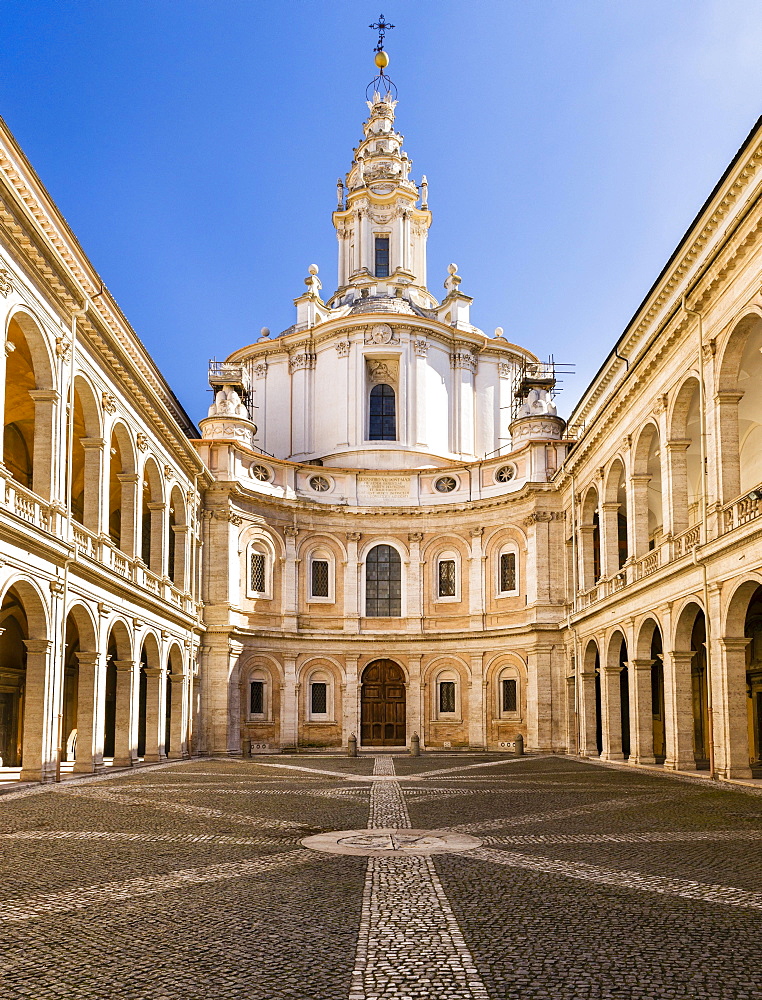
point(125, 742)
point(93, 472)
point(639, 517)
point(155, 721)
point(729, 698)
point(351, 702)
point(88, 757)
point(182, 557)
point(588, 742)
point(38, 751)
point(609, 539)
point(178, 747)
point(351, 584)
point(477, 719)
point(571, 715)
point(540, 701)
point(289, 704)
point(130, 533)
point(641, 712)
point(611, 713)
point(677, 485)
point(45, 402)
point(587, 561)
point(158, 539)
point(678, 710)
point(290, 582)
point(414, 582)
point(476, 580)
point(414, 708)
point(726, 421)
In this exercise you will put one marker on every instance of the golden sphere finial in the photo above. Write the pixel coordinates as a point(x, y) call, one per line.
point(382, 60)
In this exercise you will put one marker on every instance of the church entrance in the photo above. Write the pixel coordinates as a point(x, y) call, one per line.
point(382, 705)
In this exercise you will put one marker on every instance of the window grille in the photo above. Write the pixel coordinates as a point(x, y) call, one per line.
point(319, 698)
point(257, 703)
point(383, 583)
point(509, 695)
point(383, 418)
point(507, 571)
point(447, 578)
point(382, 256)
point(445, 484)
point(447, 696)
point(257, 572)
point(319, 578)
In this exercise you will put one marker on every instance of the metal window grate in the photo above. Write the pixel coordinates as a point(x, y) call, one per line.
point(447, 578)
point(319, 698)
point(507, 571)
point(447, 696)
point(257, 698)
point(382, 256)
point(509, 696)
point(257, 572)
point(320, 578)
point(383, 583)
point(383, 420)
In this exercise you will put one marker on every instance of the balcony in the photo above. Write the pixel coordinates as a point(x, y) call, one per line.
point(51, 519)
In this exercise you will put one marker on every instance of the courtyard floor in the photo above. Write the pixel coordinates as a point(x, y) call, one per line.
point(457, 877)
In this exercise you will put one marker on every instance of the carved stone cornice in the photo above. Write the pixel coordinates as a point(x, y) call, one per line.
point(463, 360)
point(302, 361)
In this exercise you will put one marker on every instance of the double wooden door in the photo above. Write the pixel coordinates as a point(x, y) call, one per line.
point(382, 705)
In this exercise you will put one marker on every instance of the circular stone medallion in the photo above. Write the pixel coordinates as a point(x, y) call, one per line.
point(391, 843)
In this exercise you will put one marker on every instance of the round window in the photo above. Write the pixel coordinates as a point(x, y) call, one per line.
point(320, 484)
point(445, 484)
point(260, 472)
point(505, 474)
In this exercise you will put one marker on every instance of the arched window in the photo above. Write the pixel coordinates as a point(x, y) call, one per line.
point(320, 580)
point(383, 414)
point(507, 571)
point(447, 705)
point(448, 577)
point(258, 696)
point(258, 570)
point(319, 690)
point(508, 694)
point(383, 582)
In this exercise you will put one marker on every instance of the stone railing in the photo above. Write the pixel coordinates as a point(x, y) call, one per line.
point(27, 505)
point(86, 541)
point(685, 541)
point(741, 511)
point(647, 564)
point(51, 518)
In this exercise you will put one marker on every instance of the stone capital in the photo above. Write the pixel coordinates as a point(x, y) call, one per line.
point(37, 645)
point(641, 664)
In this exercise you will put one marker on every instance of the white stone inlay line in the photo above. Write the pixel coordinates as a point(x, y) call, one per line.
point(165, 838)
point(655, 837)
point(200, 812)
point(685, 888)
point(410, 944)
point(108, 893)
point(631, 801)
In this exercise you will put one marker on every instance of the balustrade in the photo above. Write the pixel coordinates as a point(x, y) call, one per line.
point(741, 511)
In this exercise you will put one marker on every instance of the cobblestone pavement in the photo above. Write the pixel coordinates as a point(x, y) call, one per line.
point(190, 881)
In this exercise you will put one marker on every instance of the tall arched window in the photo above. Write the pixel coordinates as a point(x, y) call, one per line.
point(383, 583)
point(383, 415)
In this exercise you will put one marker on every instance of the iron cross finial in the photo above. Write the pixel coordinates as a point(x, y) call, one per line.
point(381, 26)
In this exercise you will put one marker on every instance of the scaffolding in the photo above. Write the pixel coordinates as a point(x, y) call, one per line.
point(536, 375)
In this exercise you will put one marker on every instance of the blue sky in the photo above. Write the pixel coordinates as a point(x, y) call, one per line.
point(194, 146)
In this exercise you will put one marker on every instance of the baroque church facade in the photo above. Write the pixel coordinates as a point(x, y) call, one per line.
point(435, 553)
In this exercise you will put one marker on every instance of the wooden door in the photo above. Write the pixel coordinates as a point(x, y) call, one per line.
point(382, 705)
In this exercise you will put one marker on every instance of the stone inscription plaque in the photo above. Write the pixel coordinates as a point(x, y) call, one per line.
point(384, 486)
